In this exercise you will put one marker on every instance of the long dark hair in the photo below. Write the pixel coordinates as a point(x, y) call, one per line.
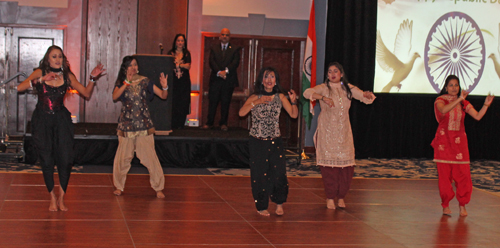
point(447, 81)
point(174, 48)
point(259, 87)
point(343, 79)
point(122, 73)
point(44, 64)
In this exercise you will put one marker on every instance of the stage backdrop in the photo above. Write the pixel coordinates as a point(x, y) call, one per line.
point(395, 125)
point(420, 43)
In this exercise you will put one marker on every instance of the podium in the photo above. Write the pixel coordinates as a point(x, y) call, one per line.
point(151, 66)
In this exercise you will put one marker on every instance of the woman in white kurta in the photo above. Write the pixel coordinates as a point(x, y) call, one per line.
point(333, 137)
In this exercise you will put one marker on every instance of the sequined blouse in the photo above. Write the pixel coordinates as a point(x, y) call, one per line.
point(51, 98)
point(450, 142)
point(265, 119)
point(135, 119)
point(333, 136)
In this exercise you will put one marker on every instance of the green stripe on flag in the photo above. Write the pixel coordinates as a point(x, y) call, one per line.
point(306, 84)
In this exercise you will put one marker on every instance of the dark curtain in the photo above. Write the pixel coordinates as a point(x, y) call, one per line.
point(177, 152)
point(395, 125)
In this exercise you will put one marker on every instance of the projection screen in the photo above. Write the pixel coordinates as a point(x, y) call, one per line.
point(421, 42)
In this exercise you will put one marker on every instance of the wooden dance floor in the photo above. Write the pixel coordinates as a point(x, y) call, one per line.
point(218, 211)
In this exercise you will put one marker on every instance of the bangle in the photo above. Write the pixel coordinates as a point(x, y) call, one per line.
point(323, 98)
point(294, 103)
point(126, 82)
point(165, 88)
point(92, 78)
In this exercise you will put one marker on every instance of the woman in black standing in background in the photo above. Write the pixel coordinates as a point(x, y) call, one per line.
point(181, 97)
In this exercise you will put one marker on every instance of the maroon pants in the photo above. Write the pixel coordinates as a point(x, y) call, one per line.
point(460, 173)
point(337, 180)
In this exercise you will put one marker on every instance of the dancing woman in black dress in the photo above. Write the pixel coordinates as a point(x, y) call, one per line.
point(52, 129)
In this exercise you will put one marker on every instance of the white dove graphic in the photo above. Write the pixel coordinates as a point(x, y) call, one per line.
point(493, 57)
point(390, 62)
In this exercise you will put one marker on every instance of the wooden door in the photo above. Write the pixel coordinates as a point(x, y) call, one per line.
point(285, 56)
point(24, 47)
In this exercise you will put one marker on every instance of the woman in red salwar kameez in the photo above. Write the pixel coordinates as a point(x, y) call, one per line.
point(451, 152)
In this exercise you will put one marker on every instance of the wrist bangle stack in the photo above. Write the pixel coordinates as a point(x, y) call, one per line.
point(165, 88)
point(126, 82)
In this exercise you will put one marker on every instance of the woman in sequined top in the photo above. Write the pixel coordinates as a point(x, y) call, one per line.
point(333, 136)
point(451, 151)
point(135, 127)
point(267, 157)
point(51, 125)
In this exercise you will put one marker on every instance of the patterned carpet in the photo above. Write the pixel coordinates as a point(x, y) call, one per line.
point(485, 174)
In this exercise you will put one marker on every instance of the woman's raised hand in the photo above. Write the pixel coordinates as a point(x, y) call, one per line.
point(328, 101)
point(489, 99)
point(464, 94)
point(292, 95)
point(97, 71)
point(266, 99)
point(50, 76)
point(368, 95)
point(163, 80)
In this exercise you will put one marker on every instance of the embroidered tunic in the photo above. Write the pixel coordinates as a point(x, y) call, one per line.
point(265, 119)
point(135, 119)
point(333, 136)
point(450, 141)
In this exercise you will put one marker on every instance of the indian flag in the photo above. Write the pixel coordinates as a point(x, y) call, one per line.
point(309, 69)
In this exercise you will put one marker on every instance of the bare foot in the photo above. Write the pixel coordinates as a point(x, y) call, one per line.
point(447, 211)
point(264, 212)
point(463, 212)
point(53, 201)
point(60, 201)
point(160, 194)
point(117, 192)
point(279, 209)
point(341, 203)
point(330, 204)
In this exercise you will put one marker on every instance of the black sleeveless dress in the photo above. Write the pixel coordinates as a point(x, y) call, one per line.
point(52, 132)
point(181, 95)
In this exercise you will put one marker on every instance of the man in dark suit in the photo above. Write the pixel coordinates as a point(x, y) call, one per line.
point(224, 60)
